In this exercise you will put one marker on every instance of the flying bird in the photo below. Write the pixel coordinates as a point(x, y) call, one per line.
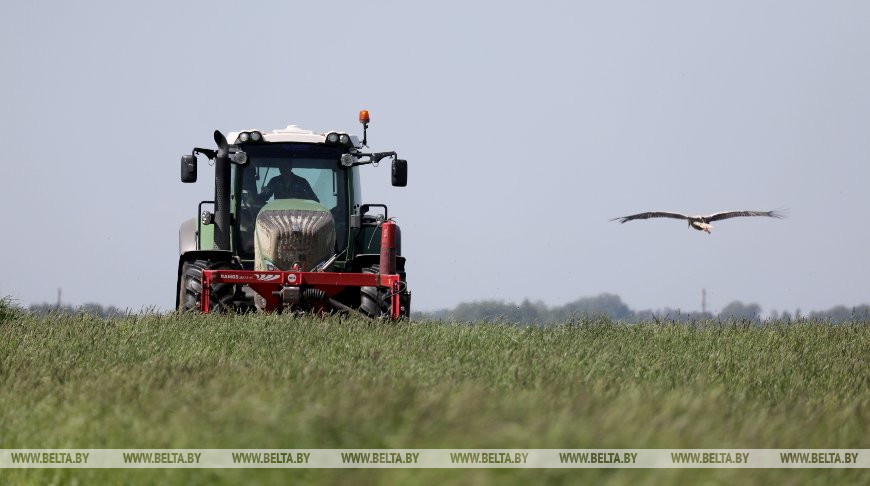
point(700, 223)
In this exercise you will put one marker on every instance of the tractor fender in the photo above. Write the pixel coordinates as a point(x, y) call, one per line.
point(187, 236)
point(368, 259)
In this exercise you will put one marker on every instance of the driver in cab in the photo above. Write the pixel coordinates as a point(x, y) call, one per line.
point(288, 186)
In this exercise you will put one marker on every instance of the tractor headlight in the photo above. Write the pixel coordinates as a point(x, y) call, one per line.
point(344, 139)
point(240, 158)
point(348, 160)
point(244, 137)
point(256, 136)
point(332, 138)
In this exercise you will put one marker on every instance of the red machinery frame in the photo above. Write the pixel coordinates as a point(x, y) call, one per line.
point(266, 283)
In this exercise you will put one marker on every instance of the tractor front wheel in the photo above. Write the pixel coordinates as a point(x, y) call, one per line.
point(190, 287)
point(375, 301)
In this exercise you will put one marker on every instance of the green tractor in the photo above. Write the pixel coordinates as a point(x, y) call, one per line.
point(288, 231)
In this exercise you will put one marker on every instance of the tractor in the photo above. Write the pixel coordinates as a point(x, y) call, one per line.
point(287, 230)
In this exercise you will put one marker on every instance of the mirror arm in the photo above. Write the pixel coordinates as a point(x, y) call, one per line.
point(211, 154)
point(375, 158)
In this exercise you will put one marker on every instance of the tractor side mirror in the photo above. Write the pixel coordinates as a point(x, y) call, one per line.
point(400, 172)
point(188, 168)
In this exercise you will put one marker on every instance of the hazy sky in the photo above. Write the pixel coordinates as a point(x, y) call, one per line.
point(526, 127)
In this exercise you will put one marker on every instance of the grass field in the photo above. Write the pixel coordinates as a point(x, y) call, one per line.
point(189, 381)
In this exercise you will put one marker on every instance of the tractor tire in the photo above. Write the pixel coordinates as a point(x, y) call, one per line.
point(375, 301)
point(190, 288)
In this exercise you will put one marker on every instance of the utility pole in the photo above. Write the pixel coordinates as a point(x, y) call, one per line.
point(703, 301)
point(58, 297)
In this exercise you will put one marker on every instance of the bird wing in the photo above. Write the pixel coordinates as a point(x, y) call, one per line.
point(735, 214)
point(651, 214)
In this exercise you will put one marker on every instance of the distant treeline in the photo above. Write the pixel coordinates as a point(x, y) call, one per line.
point(610, 305)
point(90, 309)
point(607, 305)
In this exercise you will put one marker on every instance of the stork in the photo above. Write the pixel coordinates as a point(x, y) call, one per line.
point(700, 223)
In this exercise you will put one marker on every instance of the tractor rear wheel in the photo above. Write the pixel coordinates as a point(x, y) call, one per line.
point(190, 287)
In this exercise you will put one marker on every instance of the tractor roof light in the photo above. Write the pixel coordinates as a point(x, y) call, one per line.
point(364, 119)
point(252, 136)
point(337, 138)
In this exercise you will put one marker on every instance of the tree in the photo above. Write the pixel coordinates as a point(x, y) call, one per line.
point(739, 310)
point(609, 305)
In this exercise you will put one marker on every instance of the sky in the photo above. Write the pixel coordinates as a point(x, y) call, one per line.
point(527, 127)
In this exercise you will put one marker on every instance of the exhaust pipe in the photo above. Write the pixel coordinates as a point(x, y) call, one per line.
point(221, 193)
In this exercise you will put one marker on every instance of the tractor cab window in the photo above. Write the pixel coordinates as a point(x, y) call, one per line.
point(291, 171)
point(288, 182)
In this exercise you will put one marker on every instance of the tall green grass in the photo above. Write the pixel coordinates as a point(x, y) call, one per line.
point(269, 381)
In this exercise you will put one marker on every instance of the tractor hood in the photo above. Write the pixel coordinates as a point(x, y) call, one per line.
point(293, 232)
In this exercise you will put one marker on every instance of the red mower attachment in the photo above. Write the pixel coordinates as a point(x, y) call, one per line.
point(315, 288)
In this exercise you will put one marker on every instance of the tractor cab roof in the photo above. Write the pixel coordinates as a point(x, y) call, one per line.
point(292, 133)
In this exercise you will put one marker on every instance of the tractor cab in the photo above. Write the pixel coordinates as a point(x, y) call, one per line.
point(291, 175)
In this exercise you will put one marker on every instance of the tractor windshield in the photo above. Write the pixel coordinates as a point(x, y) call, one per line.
point(290, 171)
